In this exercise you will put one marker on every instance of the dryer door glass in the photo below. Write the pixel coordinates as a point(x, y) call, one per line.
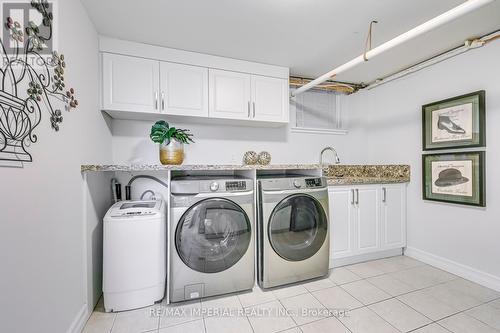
point(297, 227)
point(213, 235)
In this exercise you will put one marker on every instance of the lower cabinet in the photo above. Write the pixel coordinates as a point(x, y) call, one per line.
point(393, 216)
point(366, 220)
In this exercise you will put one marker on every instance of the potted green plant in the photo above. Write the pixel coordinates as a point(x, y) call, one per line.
point(171, 141)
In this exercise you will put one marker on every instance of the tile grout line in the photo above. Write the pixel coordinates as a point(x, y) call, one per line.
point(241, 304)
point(453, 314)
point(316, 320)
point(113, 324)
point(158, 328)
point(367, 307)
point(271, 301)
point(204, 325)
point(463, 312)
point(332, 315)
point(284, 307)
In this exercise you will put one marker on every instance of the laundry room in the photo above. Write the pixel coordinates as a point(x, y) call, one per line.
point(249, 166)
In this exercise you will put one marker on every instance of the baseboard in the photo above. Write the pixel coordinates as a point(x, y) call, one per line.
point(338, 262)
point(464, 271)
point(80, 320)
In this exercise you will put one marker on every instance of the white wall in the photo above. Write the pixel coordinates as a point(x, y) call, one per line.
point(225, 144)
point(468, 238)
point(41, 226)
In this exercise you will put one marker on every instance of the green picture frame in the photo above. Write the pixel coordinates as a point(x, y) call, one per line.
point(457, 178)
point(457, 122)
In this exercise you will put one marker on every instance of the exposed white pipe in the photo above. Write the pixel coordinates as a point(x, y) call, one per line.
point(467, 46)
point(442, 19)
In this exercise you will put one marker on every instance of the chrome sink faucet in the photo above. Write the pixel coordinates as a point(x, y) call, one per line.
point(337, 159)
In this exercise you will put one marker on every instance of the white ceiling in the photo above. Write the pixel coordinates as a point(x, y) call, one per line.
point(309, 36)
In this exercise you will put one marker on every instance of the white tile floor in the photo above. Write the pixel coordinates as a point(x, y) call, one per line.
point(397, 294)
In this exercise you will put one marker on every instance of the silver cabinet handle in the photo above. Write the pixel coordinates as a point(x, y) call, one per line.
point(357, 197)
point(253, 105)
point(156, 100)
point(352, 198)
point(163, 100)
point(248, 109)
point(384, 194)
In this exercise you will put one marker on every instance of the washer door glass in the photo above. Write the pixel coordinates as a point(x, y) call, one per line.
point(298, 227)
point(213, 235)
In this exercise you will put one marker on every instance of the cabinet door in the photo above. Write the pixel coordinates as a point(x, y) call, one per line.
point(341, 203)
point(367, 218)
point(393, 203)
point(129, 83)
point(184, 89)
point(269, 98)
point(229, 94)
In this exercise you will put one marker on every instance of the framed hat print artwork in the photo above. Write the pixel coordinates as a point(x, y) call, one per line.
point(457, 122)
point(455, 178)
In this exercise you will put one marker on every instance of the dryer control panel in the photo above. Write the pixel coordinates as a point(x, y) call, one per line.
point(291, 182)
point(314, 182)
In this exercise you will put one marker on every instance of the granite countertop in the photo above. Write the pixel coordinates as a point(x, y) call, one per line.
point(188, 167)
point(336, 175)
point(366, 174)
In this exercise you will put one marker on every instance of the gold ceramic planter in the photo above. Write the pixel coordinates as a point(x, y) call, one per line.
point(172, 153)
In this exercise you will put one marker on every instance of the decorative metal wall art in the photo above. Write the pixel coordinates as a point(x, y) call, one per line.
point(32, 81)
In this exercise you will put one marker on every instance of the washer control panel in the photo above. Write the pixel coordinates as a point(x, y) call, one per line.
point(192, 185)
point(236, 185)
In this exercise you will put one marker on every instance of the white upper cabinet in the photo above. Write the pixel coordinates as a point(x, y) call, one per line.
point(188, 84)
point(184, 90)
point(243, 96)
point(130, 83)
point(269, 98)
point(230, 95)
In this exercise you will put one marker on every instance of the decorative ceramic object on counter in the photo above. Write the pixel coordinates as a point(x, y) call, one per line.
point(264, 158)
point(250, 158)
point(171, 141)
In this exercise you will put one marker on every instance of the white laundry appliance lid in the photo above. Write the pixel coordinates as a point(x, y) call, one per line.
point(135, 208)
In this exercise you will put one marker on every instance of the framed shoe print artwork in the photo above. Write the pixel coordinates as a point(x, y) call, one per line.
point(457, 122)
point(455, 178)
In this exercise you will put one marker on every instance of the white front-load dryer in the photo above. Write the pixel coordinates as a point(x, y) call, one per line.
point(293, 240)
point(211, 237)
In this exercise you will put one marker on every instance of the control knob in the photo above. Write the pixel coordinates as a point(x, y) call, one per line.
point(214, 186)
point(297, 184)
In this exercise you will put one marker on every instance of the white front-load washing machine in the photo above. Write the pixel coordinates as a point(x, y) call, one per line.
point(211, 237)
point(293, 240)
